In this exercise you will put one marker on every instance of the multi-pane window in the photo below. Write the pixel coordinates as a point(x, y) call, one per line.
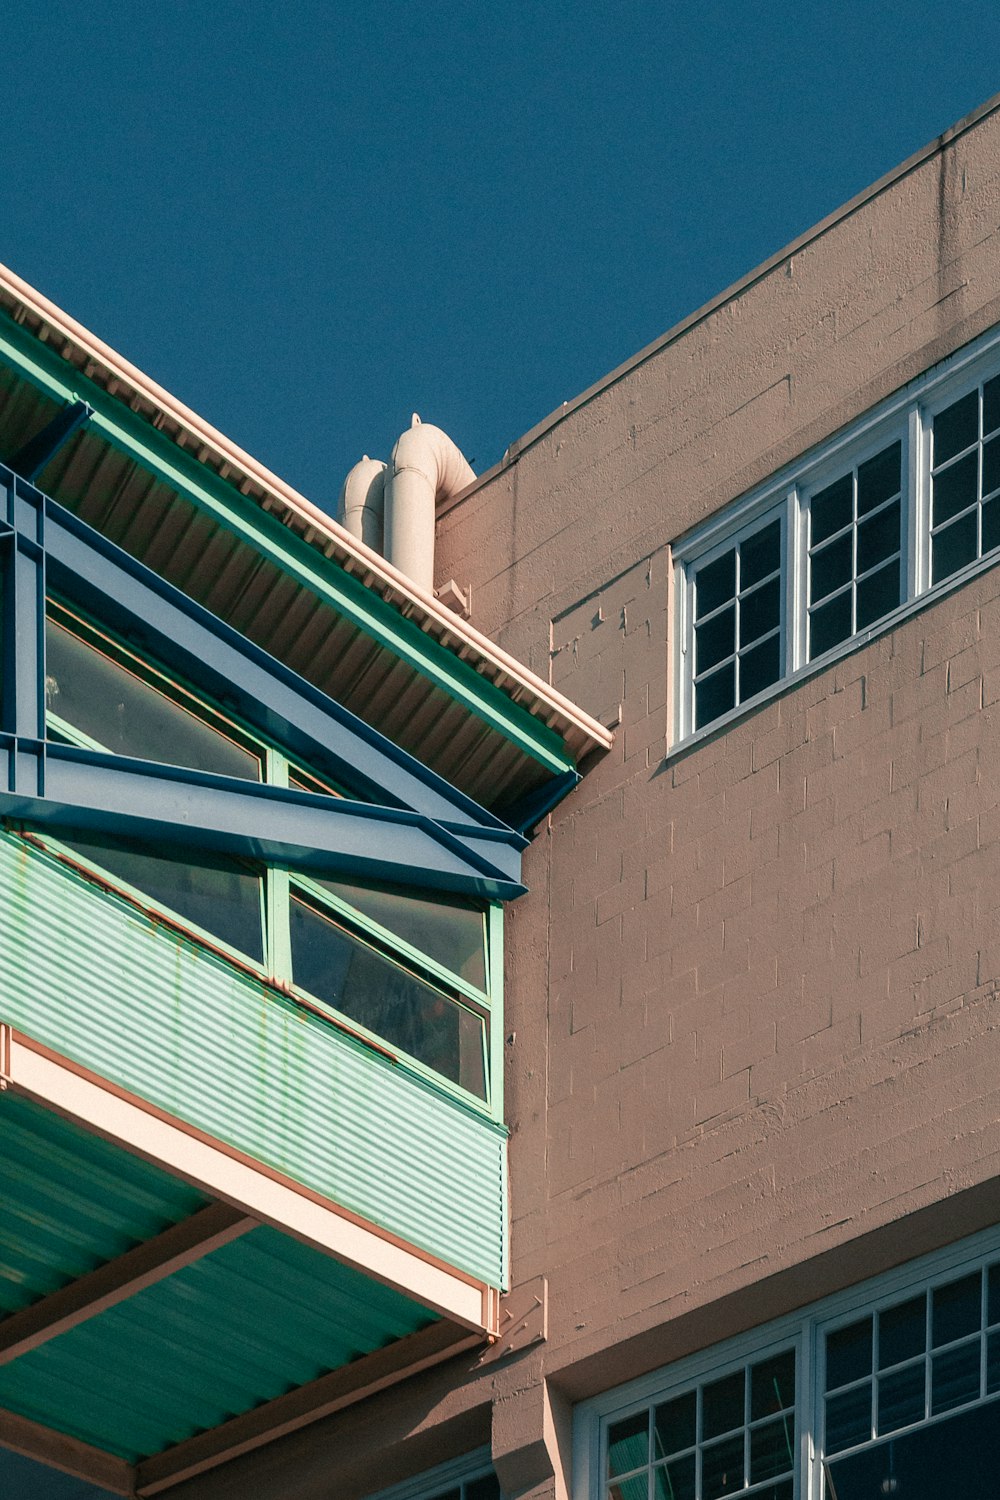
point(737, 623)
point(734, 1435)
point(965, 480)
point(855, 550)
point(892, 1388)
point(910, 1363)
point(412, 971)
point(836, 545)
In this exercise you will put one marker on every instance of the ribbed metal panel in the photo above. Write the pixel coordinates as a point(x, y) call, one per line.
point(72, 1201)
point(150, 520)
point(254, 1319)
point(91, 977)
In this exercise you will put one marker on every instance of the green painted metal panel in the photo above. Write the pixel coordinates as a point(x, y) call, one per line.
point(130, 434)
point(85, 973)
point(245, 1324)
point(71, 1201)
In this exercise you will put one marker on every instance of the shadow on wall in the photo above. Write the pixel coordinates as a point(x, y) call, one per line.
point(21, 1479)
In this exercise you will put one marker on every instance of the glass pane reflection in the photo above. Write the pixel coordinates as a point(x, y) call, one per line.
point(395, 1005)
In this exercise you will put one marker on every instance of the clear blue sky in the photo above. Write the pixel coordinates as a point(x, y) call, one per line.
point(307, 219)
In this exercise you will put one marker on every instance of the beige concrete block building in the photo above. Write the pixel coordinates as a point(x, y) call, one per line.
point(751, 1025)
point(752, 1013)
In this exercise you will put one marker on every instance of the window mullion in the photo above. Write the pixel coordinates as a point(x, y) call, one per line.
point(917, 511)
point(796, 544)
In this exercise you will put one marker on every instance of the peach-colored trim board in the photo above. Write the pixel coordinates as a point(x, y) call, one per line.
point(218, 1169)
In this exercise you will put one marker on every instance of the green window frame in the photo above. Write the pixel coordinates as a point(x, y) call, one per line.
point(389, 963)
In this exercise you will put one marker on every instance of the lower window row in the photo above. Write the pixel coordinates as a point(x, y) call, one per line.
point(897, 1395)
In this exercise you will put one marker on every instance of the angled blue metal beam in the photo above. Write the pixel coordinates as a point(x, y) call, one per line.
point(22, 704)
point(108, 583)
point(89, 791)
point(30, 460)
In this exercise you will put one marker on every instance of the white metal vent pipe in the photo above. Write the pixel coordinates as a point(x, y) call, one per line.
point(360, 509)
point(426, 466)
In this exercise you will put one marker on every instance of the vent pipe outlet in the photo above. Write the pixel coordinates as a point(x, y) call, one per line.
point(360, 509)
point(426, 467)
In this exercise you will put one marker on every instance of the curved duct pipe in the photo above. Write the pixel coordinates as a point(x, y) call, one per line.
point(426, 466)
point(360, 508)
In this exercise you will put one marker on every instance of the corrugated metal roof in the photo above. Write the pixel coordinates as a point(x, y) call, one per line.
point(195, 552)
point(256, 1318)
point(71, 1202)
point(137, 501)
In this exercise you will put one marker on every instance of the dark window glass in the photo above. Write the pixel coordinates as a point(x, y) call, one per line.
point(993, 1362)
point(630, 1489)
point(772, 1385)
point(954, 1459)
point(878, 538)
point(991, 405)
point(831, 567)
point(956, 488)
point(760, 611)
point(628, 1444)
point(878, 594)
point(487, 1488)
point(879, 478)
point(722, 1468)
point(830, 624)
point(760, 554)
point(991, 525)
point(900, 1398)
point(129, 716)
point(675, 1480)
point(715, 583)
point(993, 1294)
point(222, 896)
point(902, 1332)
point(991, 466)
point(831, 509)
point(722, 1405)
point(849, 1419)
point(956, 427)
point(715, 695)
point(397, 1006)
point(715, 639)
point(849, 1354)
point(952, 548)
point(759, 667)
point(772, 1449)
point(445, 929)
point(955, 1377)
point(674, 1425)
point(956, 1309)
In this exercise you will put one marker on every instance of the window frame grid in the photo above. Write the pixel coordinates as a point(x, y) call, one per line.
point(802, 519)
point(277, 883)
point(806, 1331)
point(687, 696)
point(907, 417)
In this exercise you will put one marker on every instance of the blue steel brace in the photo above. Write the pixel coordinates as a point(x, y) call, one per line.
point(417, 829)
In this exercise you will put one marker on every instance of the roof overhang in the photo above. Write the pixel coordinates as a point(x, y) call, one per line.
point(135, 423)
point(192, 1269)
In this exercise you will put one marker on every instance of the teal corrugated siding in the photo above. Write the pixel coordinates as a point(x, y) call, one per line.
point(91, 977)
point(250, 1321)
point(70, 1201)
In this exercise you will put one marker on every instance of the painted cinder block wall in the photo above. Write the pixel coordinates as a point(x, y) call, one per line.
point(752, 1011)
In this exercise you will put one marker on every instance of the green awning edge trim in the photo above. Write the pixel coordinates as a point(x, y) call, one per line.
point(159, 456)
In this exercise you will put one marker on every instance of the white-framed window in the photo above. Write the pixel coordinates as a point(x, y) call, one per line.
point(889, 1388)
point(468, 1478)
point(881, 519)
